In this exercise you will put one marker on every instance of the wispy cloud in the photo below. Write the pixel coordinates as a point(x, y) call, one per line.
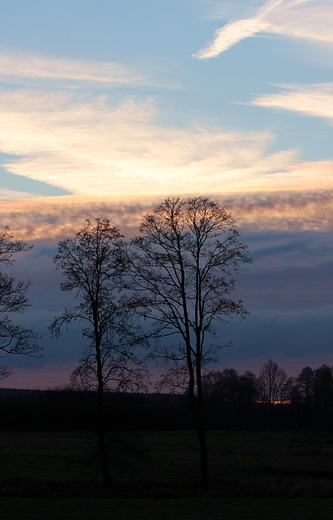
point(39, 67)
point(307, 19)
point(7, 194)
point(314, 100)
point(87, 146)
point(230, 9)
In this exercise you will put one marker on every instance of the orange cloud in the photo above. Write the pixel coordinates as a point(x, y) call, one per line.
point(54, 218)
point(293, 211)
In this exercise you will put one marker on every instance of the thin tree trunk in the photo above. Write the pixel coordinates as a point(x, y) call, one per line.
point(201, 429)
point(197, 407)
point(205, 481)
point(104, 459)
point(103, 455)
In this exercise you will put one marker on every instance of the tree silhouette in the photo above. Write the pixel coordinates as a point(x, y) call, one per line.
point(323, 395)
point(14, 339)
point(92, 265)
point(273, 387)
point(272, 383)
point(231, 398)
point(305, 382)
point(182, 269)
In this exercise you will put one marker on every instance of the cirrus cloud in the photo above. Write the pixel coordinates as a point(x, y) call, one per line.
point(306, 19)
point(87, 146)
point(41, 68)
point(313, 100)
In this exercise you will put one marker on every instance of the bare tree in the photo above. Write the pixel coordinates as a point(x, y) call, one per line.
point(224, 385)
point(14, 339)
point(249, 387)
point(323, 395)
point(272, 383)
point(305, 383)
point(182, 269)
point(273, 387)
point(92, 265)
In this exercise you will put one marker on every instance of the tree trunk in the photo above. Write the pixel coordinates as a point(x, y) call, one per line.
point(201, 429)
point(103, 455)
point(197, 407)
point(101, 419)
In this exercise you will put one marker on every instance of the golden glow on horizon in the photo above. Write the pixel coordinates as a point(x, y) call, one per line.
point(53, 218)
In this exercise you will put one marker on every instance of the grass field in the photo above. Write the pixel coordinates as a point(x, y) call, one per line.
point(164, 509)
point(254, 475)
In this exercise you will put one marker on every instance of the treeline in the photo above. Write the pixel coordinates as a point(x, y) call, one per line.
point(273, 400)
point(234, 401)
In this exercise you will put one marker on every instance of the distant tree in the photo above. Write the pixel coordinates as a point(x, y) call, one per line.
point(248, 388)
point(182, 268)
point(323, 395)
point(272, 383)
point(248, 397)
point(92, 264)
point(305, 382)
point(273, 387)
point(212, 387)
point(231, 386)
point(222, 385)
point(231, 398)
point(14, 339)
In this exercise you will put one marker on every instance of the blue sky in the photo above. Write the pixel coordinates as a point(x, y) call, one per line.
point(253, 78)
point(114, 105)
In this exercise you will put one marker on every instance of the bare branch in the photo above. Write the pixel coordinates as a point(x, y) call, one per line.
point(93, 265)
point(14, 339)
point(181, 270)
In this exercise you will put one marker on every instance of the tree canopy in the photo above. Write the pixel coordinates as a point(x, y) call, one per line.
point(182, 270)
point(92, 264)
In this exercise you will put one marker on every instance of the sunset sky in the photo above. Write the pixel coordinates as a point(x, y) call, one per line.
point(107, 107)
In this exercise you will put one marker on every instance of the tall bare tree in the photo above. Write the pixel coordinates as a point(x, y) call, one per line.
point(14, 339)
point(274, 386)
point(272, 383)
point(323, 395)
point(92, 265)
point(182, 269)
point(305, 383)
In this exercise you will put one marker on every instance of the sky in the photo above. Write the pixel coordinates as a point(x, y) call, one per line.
point(108, 107)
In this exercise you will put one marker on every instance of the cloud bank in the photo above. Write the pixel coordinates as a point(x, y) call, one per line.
point(311, 20)
point(52, 218)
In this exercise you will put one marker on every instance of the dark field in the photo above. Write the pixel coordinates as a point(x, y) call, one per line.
point(254, 475)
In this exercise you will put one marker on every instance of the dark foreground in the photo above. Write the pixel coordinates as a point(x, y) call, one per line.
point(254, 475)
point(164, 509)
